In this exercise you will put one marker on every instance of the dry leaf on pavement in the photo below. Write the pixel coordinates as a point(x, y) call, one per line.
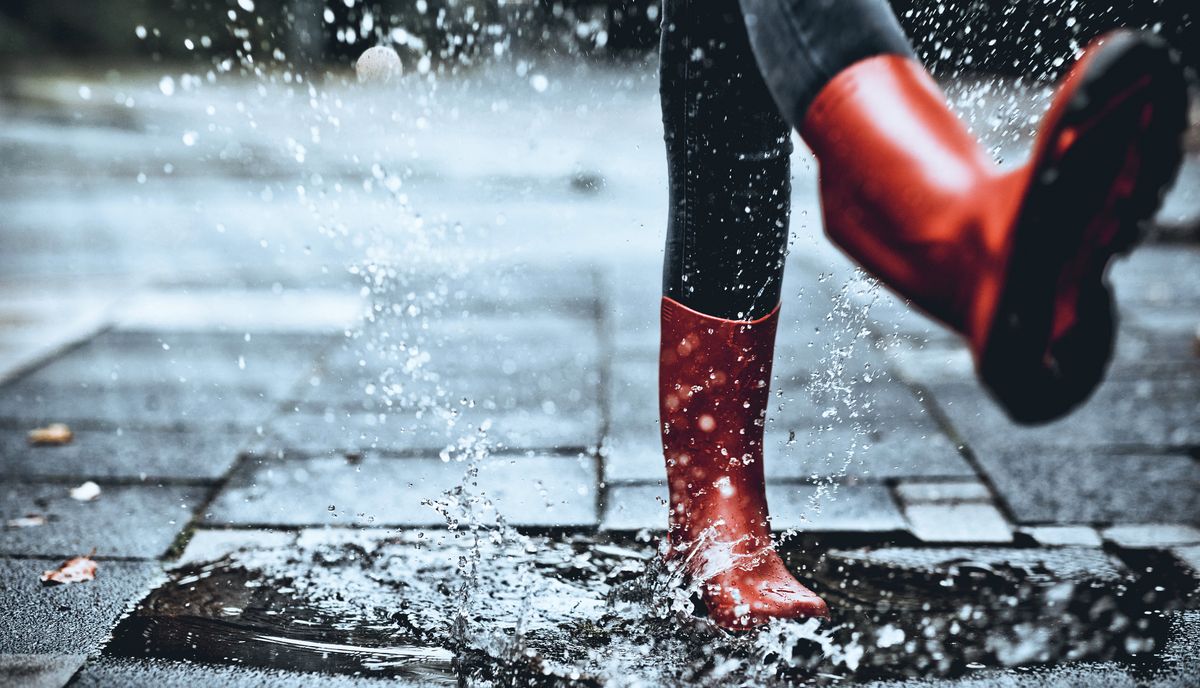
point(26, 521)
point(52, 435)
point(75, 570)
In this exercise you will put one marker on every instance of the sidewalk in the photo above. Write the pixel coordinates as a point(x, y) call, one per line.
point(228, 398)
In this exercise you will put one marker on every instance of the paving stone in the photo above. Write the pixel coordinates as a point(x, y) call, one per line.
point(568, 383)
point(44, 317)
point(1152, 275)
point(1064, 536)
point(918, 492)
point(259, 278)
point(632, 307)
point(896, 317)
point(271, 363)
point(537, 342)
point(177, 405)
point(1163, 347)
point(1152, 535)
point(332, 432)
point(632, 449)
point(38, 671)
point(241, 311)
point(124, 521)
point(1170, 322)
point(210, 545)
point(798, 358)
point(125, 453)
point(538, 384)
point(882, 403)
point(66, 619)
point(629, 458)
point(850, 508)
point(934, 363)
point(1078, 487)
point(635, 507)
point(1157, 343)
point(881, 450)
point(121, 671)
point(404, 432)
point(527, 490)
point(633, 392)
point(966, 522)
point(504, 288)
point(1152, 413)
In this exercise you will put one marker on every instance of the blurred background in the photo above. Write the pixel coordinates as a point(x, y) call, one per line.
point(1012, 36)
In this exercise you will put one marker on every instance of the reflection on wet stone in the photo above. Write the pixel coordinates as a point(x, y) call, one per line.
point(531, 490)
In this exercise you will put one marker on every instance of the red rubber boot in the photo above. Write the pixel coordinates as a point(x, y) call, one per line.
point(714, 379)
point(1013, 260)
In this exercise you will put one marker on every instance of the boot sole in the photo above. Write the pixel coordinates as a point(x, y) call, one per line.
point(1125, 121)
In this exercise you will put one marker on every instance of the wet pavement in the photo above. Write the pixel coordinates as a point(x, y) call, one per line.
point(374, 400)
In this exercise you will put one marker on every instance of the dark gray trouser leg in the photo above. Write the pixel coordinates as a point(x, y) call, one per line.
point(802, 44)
point(727, 162)
point(736, 75)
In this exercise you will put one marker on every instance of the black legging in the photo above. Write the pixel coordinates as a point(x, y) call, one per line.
point(734, 79)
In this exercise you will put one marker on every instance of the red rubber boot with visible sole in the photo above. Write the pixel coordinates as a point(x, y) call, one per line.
point(714, 379)
point(1013, 260)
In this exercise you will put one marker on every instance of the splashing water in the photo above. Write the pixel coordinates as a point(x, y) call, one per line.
point(839, 391)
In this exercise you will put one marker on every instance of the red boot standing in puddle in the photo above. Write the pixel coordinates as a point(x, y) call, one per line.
point(1014, 260)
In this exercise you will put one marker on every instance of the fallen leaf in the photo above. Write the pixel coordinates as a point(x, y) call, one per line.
point(26, 521)
point(86, 492)
point(53, 435)
point(75, 570)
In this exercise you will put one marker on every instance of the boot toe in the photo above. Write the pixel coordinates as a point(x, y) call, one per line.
point(791, 601)
point(741, 600)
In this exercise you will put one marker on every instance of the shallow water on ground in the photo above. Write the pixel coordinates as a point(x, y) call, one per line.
point(571, 610)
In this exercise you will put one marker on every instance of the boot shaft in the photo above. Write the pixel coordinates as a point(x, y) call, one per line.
point(714, 386)
point(907, 190)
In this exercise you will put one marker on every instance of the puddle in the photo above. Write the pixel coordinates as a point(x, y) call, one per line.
point(554, 611)
point(228, 611)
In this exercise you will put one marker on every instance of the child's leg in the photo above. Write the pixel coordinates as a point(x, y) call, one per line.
point(727, 160)
point(727, 155)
